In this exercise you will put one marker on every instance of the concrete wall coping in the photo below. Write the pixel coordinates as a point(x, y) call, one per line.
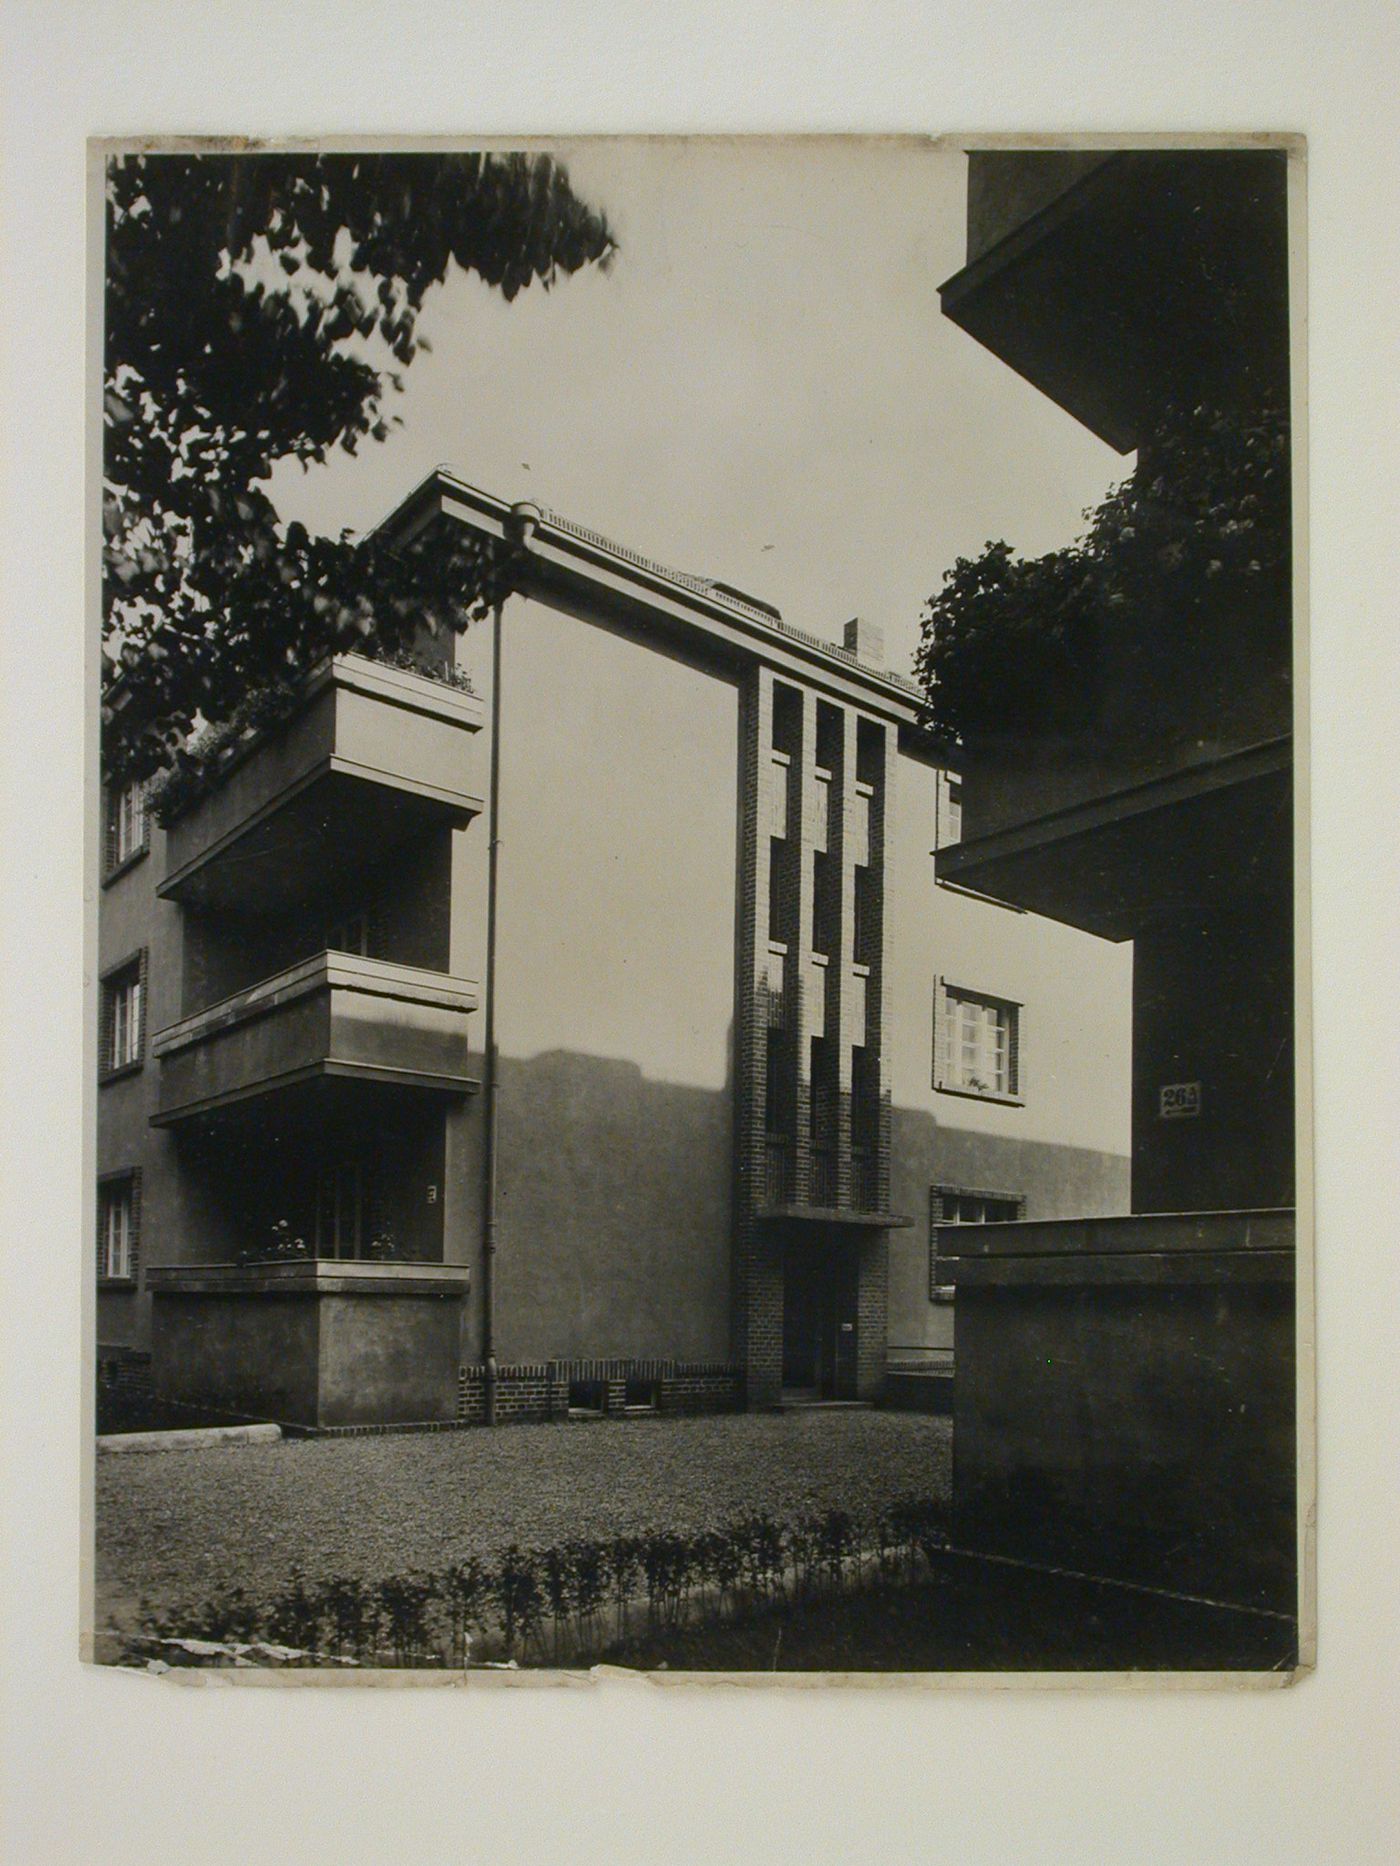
point(310, 1276)
point(1136, 1234)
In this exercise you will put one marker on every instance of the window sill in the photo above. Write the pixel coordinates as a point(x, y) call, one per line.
point(967, 1094)
point(117, 1283)
point(127, 863)
point(122, 1069)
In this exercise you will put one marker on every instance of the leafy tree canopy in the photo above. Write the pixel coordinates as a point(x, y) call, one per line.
point(260, 308)
point(1197, 538)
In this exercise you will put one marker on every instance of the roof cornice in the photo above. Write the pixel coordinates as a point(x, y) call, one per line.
point(651, 592)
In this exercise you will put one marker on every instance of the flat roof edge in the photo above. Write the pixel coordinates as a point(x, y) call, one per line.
point(444, 492)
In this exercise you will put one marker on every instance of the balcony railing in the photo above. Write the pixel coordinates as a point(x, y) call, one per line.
point(372, 757)
point(333, 1015)
point(865, 1181)
point(777, 1163)
point(824, 1188)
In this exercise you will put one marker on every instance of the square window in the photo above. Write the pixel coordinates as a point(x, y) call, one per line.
point(977, 1042)
point(118, 1208)
point(123, 1016)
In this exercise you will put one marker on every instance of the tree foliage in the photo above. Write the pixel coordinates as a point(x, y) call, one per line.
point(261, 308)
point(1198, 538)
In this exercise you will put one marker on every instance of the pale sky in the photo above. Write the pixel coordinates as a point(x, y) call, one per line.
point(761, 389)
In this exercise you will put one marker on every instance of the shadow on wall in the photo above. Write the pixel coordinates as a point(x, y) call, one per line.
point(616, 1204)
point(1056, 1180)
point(615, 1207)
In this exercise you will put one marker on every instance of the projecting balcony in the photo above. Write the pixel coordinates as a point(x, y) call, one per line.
point(374, 757)
point(334, 1016)
point(824, 1203)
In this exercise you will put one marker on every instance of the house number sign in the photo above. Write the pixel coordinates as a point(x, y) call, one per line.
point(1178, 1099)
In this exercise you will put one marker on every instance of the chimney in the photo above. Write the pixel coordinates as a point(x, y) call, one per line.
point(865, 641)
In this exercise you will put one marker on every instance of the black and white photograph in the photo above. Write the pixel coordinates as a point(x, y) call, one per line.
point(697, 1013)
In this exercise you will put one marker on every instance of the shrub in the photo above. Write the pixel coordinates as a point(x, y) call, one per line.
point(466, 1593)
point(517, 1594)
point(1199, 536)
point(294, 1617)
point(351, 1613)
point(404, 1599)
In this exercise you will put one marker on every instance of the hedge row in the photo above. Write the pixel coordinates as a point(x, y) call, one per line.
point(571, 1603)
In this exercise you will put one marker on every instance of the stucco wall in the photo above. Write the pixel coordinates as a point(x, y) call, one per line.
point(131, 918)
point(1066, 1148)
point(619, 772)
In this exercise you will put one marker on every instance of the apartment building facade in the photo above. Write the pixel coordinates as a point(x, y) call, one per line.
point(646, 1089)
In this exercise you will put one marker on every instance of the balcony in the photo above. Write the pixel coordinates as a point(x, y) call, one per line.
point(1111, 859)
point(824, 1204)
point(374, 757)
point(335, 1015)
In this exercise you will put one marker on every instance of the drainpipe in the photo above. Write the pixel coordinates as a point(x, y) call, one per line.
point(520, 524)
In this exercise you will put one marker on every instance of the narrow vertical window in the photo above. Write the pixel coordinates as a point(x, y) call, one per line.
point(117, 1213)
point(126, 827)
point(123, 1017)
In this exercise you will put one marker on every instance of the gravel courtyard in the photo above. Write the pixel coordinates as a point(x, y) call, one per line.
point(172, 1527)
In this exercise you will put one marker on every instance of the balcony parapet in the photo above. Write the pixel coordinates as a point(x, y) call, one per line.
point(310, 1276)
point(372, 756)
point(334, 1014)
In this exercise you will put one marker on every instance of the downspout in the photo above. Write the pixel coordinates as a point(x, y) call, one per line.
point(520, 524)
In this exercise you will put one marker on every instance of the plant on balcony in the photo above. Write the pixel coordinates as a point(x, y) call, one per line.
point(260, 309)
point(1197, 537)
point(196, 766)
point(283, 1246)
point(383, 1247)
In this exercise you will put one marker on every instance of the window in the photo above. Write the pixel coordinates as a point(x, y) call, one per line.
point(340, 1212)
point(977, 1044)
point(123, 1016)
point(349, 935)
point(127, 835)
point(118, 1212)
point(777, 1005)
point(778, 796)
point(949, 811)
point(821, 809)
point(860, 826)
point(964, 1205)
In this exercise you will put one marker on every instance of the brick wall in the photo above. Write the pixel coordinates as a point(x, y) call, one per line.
point(539, 1390)
point(124, 1372)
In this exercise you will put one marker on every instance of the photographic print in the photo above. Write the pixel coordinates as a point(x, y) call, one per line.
point(696, 1019)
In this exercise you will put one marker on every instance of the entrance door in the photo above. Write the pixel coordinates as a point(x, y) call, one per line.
point(819, 1320)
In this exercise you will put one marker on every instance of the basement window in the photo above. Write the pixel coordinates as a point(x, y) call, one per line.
point(963, 1205)
point(587, 1398)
